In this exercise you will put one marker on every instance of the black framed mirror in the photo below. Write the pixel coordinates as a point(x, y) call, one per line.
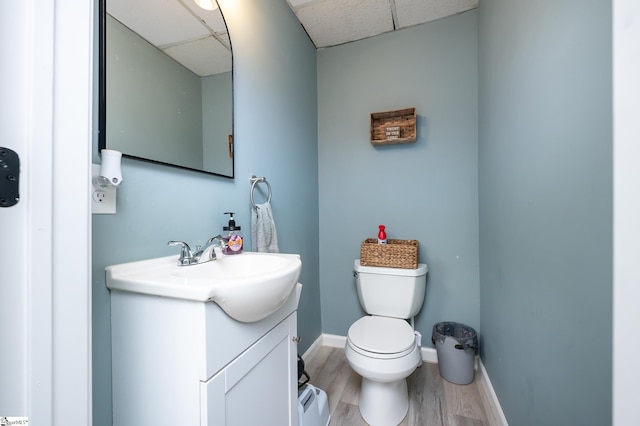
point(166, 84)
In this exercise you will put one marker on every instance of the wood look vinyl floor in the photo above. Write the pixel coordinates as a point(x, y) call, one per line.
point(432, 400)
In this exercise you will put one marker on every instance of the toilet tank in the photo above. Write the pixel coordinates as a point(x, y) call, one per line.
point(391, 292)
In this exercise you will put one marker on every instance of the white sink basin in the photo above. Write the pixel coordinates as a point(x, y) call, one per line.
point(248, 286)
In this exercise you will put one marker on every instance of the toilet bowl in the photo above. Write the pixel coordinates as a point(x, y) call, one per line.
point(384, 352)
point(381, 347)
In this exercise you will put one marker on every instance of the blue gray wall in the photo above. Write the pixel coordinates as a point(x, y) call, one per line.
point(276, 137)
point(546, 208)
point(427, 190)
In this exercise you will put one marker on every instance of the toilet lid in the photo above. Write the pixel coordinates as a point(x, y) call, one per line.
point(382, 335)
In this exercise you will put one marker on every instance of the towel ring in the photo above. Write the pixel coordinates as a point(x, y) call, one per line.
point(254, 181)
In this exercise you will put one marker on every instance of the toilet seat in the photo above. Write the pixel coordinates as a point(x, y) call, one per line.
point(381, 337)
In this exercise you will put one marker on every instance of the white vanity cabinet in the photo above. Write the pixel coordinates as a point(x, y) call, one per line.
point(182, 362)
point(255, 388)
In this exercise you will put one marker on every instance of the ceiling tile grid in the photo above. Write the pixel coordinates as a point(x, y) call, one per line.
point(334, 22)
point(178, 26)
point(217, 59)
point(160, 22)
point(195, 37)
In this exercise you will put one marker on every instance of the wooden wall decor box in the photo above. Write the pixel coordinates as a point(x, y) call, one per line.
point(393, 127)
point(394, 254)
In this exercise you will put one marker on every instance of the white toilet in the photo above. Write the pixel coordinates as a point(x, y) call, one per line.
point(382, 347)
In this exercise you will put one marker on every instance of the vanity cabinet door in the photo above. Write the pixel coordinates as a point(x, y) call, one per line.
point(212, 406)
point(259, 386)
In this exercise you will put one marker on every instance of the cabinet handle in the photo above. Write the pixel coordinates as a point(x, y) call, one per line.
point(296, 339)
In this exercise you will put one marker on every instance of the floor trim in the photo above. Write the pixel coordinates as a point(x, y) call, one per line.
point(493, 401)
point(429, 355)
point(335, 341)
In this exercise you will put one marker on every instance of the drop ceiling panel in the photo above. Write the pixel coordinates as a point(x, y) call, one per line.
point(195, 37)
point(333, 22)
point(169, 23)
point(414, 12)
point(216, 61)
point(160, 22)
point(212, 18)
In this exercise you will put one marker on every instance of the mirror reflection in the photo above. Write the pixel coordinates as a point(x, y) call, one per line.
point(166, 83)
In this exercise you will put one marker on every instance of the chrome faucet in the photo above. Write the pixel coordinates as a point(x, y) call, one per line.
point(202, 254)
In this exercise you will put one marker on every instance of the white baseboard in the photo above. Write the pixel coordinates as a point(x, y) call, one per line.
point(429, 355)
point(490, 393)
point(335, 341)
point(311, 351)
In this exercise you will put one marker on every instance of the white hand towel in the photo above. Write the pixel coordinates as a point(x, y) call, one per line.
point(263, 230)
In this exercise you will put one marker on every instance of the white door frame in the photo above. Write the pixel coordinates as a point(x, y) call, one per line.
point(72, 141)
point(50, 47)
point(626, 219)
point(13, 220)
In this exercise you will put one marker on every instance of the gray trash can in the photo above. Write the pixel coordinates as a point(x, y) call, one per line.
point(457, 346)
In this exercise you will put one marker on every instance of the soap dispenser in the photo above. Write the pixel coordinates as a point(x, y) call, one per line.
point(234, 236)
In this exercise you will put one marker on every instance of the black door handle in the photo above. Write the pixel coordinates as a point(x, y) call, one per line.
point(9, 177)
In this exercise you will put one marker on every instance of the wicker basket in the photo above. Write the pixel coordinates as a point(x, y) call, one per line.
point(394, 254)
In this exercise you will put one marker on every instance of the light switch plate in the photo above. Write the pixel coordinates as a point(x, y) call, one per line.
point(103, 200)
